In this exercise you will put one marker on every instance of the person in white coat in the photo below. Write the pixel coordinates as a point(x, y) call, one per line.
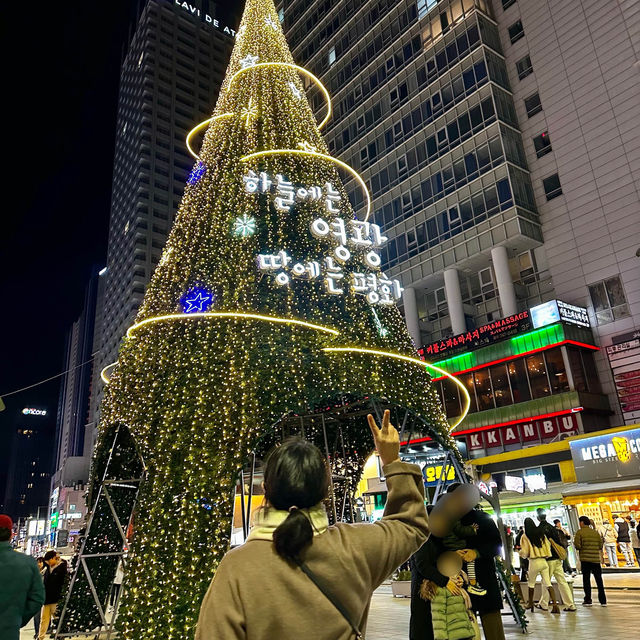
point(610, 536)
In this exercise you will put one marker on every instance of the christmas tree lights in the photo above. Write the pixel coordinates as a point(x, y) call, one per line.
point(199, 390)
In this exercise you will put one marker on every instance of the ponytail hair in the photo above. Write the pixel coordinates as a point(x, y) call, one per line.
point(296, 477)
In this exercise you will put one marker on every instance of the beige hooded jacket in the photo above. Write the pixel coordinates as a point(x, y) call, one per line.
point(257, 595)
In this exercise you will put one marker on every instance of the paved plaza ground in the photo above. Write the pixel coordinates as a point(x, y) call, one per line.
point(389, 617)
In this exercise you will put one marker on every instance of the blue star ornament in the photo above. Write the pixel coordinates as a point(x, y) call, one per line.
point(197, 301)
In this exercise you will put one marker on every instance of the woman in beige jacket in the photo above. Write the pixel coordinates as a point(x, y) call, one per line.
point(535, 546)
point(260, 591)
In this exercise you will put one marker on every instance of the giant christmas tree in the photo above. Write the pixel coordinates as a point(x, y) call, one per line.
point(269, 299)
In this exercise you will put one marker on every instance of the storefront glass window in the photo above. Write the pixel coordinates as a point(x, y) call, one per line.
point(500, 382)
point(483, 390)
point(552, 473)
point(537, 376)
point(467, 381)
point(519, 382)
point(556, 370)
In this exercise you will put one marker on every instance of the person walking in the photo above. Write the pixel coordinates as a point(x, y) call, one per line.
point(21, 589)
point(624, 539)
point(54, 578)
point(536, 547)
point(565, 538)
point(36, 618)
point(635, 539)
point(524, 562)
point(555, 562)
point(296, 572)
point(589, 543)
point(610, 537)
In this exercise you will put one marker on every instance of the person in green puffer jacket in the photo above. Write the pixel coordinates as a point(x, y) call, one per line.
point(451, 612)
point(589, 543)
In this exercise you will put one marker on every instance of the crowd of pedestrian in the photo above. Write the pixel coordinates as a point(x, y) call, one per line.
point(30, 588)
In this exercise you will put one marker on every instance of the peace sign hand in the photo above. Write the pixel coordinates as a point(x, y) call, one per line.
point(387, 440)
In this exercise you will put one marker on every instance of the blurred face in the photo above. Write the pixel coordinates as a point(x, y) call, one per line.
point(449, 564)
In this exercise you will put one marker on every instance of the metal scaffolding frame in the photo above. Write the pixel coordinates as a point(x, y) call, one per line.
point(106, 628)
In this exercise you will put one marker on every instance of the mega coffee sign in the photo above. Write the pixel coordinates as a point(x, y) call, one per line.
point(607, 457)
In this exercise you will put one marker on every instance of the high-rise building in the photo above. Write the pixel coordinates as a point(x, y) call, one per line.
point(171, 75)
point(30, 461)
point(497, 139)
point(73, 443)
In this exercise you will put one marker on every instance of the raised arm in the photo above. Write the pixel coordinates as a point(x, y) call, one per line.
point(380, 548)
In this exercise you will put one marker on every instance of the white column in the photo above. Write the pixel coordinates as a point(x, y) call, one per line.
point(411, 314)
point(506, 290)
point(454, 301)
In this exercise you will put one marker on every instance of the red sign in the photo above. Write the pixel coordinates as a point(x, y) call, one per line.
point(475, 440)
point(535, 431)
point(486, 334)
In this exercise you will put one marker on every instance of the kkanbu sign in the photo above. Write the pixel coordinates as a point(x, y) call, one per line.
point(541, 430)
point(607, 457)
point(486, 334)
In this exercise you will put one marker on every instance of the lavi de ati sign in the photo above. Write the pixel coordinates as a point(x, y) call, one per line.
point(205, 17)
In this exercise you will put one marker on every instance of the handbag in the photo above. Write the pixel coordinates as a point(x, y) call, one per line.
point(559, 549)
point(331, 598)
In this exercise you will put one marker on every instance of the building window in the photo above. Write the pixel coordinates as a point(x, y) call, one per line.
point(609, 300)
point(516, 31)
point(500, 384)
point(281, 14)
point(537, 376)
point(524, 67)
point(507, 3)
point(483, 390)
point(519, 381)
point(532, 104)
point(424, 6)
point(552, 186)
point(557, 371)
point(332, 55)
point(526, 266)
point(542, 144)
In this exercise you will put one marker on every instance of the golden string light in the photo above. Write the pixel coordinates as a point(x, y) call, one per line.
point(200, 127)
point(229, 314)
point(316, 154)
point(301, 70)
point(399, 356)
point(103, 374)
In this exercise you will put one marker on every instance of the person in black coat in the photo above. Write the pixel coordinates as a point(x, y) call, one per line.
point(54, 578)
point(483, 548)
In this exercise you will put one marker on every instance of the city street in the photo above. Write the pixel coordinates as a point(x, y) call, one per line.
point(389, 617)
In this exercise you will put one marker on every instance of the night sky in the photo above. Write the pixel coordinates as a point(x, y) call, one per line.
point(60, 91)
